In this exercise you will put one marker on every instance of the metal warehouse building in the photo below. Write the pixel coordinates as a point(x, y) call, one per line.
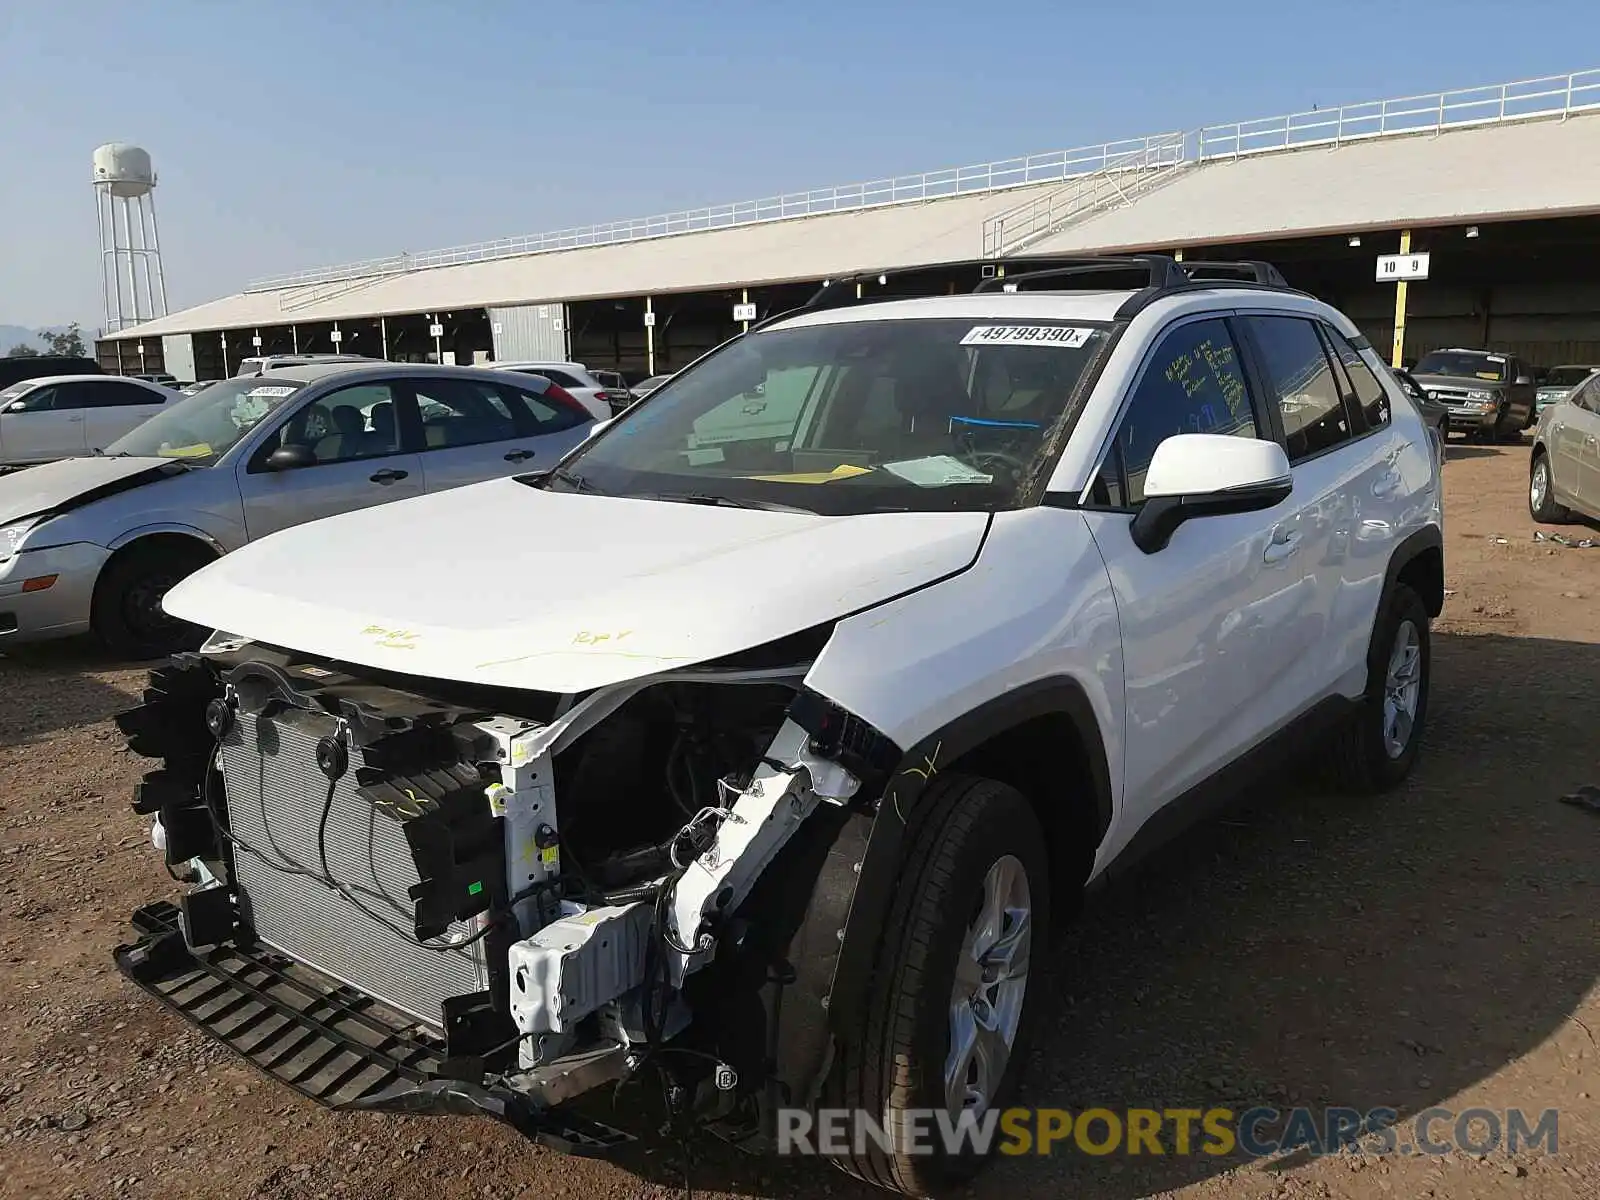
point(1500, 185)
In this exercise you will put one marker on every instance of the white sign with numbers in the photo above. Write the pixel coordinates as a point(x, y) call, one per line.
point(649, 320)
point(436, 331)
point(1394, 267)
point(336, 337)
point(256, 341)
point(744, 312)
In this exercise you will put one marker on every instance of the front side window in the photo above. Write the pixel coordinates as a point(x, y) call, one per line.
point(352, 423)
point(31, 398)
point(203, 427)
point(1463, 364)
point(1303, 382)
point(858, 416)
point(1193, 383)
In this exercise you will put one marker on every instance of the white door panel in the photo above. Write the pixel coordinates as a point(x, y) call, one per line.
point(34, 437)
point(1208, 636)
point(102, 426)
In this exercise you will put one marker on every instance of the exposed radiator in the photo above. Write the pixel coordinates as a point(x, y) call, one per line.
point(275, 797)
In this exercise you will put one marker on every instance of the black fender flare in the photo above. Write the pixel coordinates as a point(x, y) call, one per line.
point(1415, 544)
point(878, 866)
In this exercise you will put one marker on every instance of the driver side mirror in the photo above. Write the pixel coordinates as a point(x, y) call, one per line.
point(17, 406)
point(1523, 379)
point(1207, 475)
point(290, 457)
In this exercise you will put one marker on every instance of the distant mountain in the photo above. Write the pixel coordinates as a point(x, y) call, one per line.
point(16, 335)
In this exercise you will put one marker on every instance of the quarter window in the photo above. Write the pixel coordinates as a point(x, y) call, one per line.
point(1367, 393)
point(1193, 384)
point(1303, 381)
point(541, 416)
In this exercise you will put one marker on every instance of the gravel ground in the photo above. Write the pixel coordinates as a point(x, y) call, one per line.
point(1436, 947)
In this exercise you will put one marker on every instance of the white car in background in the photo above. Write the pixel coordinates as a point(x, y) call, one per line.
point(63, 416)
point(575, 380)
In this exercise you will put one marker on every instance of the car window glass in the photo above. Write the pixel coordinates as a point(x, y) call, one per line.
point(1303, 383)
point(559, 378)
point(1192, 384)
point(1369, 395)
point(70, 396)
point(457, 412)
point(111, 394)
point(1584, 396)
point(538, 415)
point(32, 400)
point(351, 423)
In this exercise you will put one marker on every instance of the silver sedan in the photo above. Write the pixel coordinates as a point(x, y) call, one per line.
point(91, 544)
point(1564, 472)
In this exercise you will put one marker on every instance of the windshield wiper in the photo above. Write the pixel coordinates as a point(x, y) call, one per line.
point(722, 501)
point(571, 478)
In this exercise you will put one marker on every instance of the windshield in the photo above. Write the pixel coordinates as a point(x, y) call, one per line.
point(864, 416)
point(1566, 377)
point(1465, 364)
point(205, 426)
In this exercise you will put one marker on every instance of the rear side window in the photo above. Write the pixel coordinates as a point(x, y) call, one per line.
point(458, 413)
point(1193, 384)
point(1304, 384)
point(538, 415)
point(1367, 392)
point(111, 394)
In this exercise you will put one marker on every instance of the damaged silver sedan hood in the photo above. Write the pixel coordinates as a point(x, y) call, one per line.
point(507, 585)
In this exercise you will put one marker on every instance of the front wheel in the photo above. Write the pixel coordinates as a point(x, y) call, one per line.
point(1378, 745)
point(948, 1010)
point(1542, 504)
point(127, 615)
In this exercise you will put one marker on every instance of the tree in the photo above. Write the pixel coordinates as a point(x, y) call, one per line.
point(67, 342)
point(22, 350)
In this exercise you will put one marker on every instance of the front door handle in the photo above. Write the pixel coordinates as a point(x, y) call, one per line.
point(519, 456)
point(388, 476)
point(1284, 543)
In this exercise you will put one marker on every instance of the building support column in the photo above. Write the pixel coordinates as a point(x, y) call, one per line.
point(649, 335)
point(383, 337)
point(744, 298)
point(1397, 357)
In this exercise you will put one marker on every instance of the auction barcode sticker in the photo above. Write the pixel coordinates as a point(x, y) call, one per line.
point(1026, 335)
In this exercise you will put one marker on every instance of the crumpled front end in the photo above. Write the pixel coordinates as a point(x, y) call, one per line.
point(425, 897)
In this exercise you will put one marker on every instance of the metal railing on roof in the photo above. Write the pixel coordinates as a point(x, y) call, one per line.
point(1549, 96)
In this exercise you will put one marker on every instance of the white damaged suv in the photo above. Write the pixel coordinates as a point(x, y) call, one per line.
point(763, 743)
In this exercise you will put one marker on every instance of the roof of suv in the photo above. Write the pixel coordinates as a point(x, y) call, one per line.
point(1101, 306)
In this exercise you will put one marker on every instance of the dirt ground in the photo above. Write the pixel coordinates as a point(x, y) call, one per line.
point(1437, 947)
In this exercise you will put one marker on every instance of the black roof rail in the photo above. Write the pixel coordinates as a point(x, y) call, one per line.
point(1248, 270)
point(1160, 270)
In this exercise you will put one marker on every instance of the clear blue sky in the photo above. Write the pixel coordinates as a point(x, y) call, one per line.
point(292, 134)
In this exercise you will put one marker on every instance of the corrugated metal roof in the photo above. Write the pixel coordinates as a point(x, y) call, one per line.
point(1544, 167)
point(1537, 168)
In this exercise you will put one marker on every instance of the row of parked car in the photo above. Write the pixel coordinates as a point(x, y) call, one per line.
point(143, 480)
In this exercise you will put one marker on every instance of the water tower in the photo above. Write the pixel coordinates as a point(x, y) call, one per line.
point(130, 251)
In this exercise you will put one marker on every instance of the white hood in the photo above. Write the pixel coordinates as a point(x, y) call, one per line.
point(504, 584)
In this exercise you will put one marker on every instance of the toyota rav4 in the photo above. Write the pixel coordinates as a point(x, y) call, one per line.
point(763, 744)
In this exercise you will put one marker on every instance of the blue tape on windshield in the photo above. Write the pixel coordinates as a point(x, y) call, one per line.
point(995, 424)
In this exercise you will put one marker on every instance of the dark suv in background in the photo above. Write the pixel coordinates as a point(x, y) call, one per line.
point(17, 368)
point(1489, 395)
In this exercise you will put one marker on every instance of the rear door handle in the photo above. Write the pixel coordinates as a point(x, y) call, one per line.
point(1284, 543)
point(389, 476)
point(519, 456)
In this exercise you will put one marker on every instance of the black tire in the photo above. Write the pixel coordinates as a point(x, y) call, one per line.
point(1363, 761)
point(126, 615)
point(1544, 509)
point(1506, 428)
point(960, 828)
